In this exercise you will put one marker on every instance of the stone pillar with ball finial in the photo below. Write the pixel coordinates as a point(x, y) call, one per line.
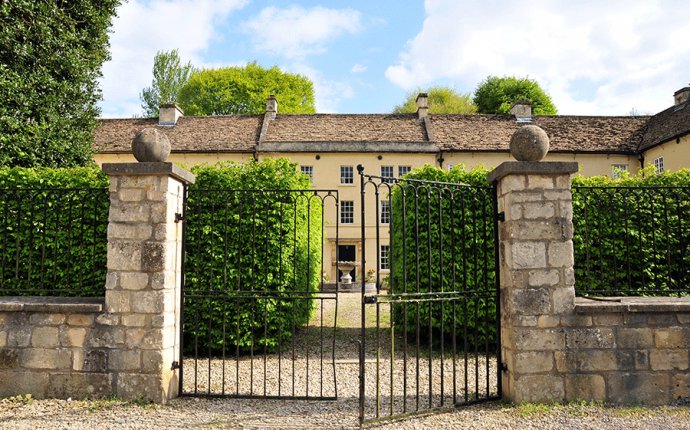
point(536, 266)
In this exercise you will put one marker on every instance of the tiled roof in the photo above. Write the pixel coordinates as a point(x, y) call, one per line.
point(346, 128)
point(567, 133)
point(204, 133)
point(666, 125)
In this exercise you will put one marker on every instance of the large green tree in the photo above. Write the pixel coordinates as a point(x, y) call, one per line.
point(169, 76)
point(243, 90)
point(51, 53)
point(496, 95)
point(441, 100)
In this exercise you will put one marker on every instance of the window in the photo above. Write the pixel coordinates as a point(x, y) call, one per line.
point(385, 212)
point(346, 175)
point(403, 170)
point(659, 164)
point(450, 166)
point(309, 171)
point(347, 212)
point(387, 172)
point(385, 257)
point(616, 170)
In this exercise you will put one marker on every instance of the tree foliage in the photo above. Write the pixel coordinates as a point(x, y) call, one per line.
point(169, 76)
point(51, 53)
point(441, 100)
point(496, 95)
point(244, 90)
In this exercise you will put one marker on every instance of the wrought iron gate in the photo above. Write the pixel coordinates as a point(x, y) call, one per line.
point(430, 333)
point(252, 271)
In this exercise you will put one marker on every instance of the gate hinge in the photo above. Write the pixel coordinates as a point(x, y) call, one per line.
point(501, 216)
point(175, 365)
point(503, 367)
point(178, 217)
point(370, 300)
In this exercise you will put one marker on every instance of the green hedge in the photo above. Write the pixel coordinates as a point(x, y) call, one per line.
point(253, 257)
point(53, 225)
point(445, 242)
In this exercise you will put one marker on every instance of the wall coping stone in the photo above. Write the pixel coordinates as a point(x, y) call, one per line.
point(531, 168)
point(150, 169)
point(52, 304)
point(585, 305)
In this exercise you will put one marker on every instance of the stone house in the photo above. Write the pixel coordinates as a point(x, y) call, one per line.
point(328, 147)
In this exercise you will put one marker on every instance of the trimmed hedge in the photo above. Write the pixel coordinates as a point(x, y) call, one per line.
point(53, 225)
point(444, 242)
point(253, 257)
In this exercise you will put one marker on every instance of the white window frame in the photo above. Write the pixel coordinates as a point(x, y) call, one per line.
point(404, 170)
point(385, 216)
point(309, 171)
point(617, 168)
point(659, 164)
point(388, 173)
point(347, 212)
point(347, 175)
point(385, 257)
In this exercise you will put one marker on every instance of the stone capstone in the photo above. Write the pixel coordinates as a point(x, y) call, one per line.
point(150, 145)
point(529, 143)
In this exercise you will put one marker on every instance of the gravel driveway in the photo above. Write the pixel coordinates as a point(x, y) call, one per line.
point(202, 413)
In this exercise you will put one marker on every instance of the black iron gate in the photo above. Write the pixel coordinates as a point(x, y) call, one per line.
point(430, 333)
point(256, 320)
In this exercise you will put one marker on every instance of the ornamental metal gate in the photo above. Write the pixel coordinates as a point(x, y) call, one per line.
point(257, 322)
point(430, 333)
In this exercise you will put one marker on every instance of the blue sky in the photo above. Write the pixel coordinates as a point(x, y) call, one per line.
point(593, 57)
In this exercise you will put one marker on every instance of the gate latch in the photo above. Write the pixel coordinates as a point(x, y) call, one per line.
point(178, 217)
point(175, 365)
point(501, 216)
point(370, 300)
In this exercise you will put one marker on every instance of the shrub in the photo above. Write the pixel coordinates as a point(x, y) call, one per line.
point(443, 241)
point(253, 256)
point(53, 225)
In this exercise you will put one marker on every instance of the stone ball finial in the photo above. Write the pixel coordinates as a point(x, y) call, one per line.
point(150, 145)
point(529, 143)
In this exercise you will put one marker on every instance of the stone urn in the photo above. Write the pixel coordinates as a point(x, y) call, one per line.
point(529, 143)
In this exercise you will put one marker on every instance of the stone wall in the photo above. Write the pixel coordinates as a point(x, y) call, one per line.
point(558, 348)
point(125, 344)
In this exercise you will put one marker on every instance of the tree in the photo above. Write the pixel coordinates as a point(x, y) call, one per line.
point(169, 76)
point(51, 53)
point(496, 95)
point(441, 100)
point(243, 90)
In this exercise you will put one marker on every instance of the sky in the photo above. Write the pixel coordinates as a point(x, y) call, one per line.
point(593, 57)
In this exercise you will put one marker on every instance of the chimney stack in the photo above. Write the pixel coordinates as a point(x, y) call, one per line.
point(271, 107)
point(522, 109)
point(681, 96)
point(422, 105)
point(168, 114)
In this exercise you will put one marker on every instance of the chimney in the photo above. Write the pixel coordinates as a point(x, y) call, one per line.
point(271, 107)
point(168, 114)
point(422, 105)
point(522, 109)
point(681, 96)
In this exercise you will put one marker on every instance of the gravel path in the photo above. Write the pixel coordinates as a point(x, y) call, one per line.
point(202, 413)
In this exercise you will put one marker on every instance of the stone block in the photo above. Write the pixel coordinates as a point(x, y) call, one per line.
point(530, 301)
point(634, 338)
point(596, 360)
point(543, 277)
point(148, 302)
point(565, 210)
point(134, 320)
point(168, 319)
point(645, 388)
point(535, 230)
point(680, 383)
point(668, 359)
point(538, 210)
point(548, 321)
point(41, 358)
point(625, 360)
point(133, 386)
point(112, 280)
point(145, 339)
point(635, 319)
point(676, 337)
point(117, 302)
point(131, 194)
point(166, 231)
point(526, 196)
point(9, 358)
point(569, 276)
point(136, 231)
point(566, 361)
point(532, 362)
point(14, 383)
point(105, 337)
point(563, 300)
point(514, 212)
point(95, 360)
point(46, 319)
point(534, 339)
point(73, 337)
point(523, 320)
point(528, 255)
point(585, 387)
point(558, 195)
point(684, 318)
point(134, 280)
point(574, 320)
point(538, 389)
point(641, 359)
point(129, 212)
point(108, 319)
point(3, 339)
point(79, 386)
point(147, 182)
point(164, 280)
point(124, 255)
point(80, 320)
point(125, 360)
point(152, 361)
point(540, 181)
point(561, 254)
point(512, 183)
point(611, 319)
point(153, 257)
point(19, 336)
point(44, 337)
point(595, 338)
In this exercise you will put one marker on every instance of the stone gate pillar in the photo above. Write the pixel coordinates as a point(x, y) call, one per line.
point(536, 267)
point(143, 287)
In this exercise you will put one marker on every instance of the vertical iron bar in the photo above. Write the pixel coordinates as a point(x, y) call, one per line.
point(362, 392)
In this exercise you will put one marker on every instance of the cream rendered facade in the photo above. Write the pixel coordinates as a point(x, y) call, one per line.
point(675, 154)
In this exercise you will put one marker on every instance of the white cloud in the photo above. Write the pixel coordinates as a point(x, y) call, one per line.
point(296, 32)
point(358, 68)
point(328, 93)
point(593, 57)
point(144, 27)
